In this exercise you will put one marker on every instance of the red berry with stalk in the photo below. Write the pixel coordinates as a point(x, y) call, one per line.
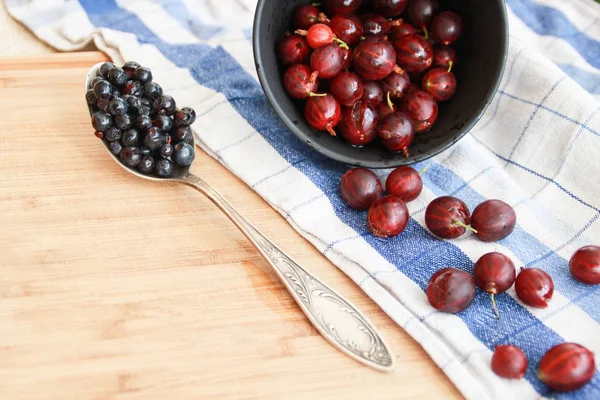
point(319, 35)
point(413, 53)
point(374, 58)
point(493, 220)
point(323, 113)
point(494, 274)
point(450, 290)
point(421, 12)
point(360, 188)
point(293, 49)
point(374, 24)
point(347, 27)
point(328, 61)
point(567, 367)
point(396, 84)
point(401, 29)
point(301, 82)
point(440, 83)
point(373, 93)
point(396, 132)
point(534, 287)
point(444, 56)
point(386, 107)
point(389, 8)
point(358, 124)
point(509, 362)
point(447, 217)
point(341, 6)
point(404, 182)
point(446, 27)
point(421, 107)
point(347, 88)
point(388, 217)
point(307, 16)
point(585, 265)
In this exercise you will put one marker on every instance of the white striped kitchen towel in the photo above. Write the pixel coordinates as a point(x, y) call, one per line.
point(537, 147)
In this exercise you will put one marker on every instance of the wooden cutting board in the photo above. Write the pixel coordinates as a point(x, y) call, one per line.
point(112, 287)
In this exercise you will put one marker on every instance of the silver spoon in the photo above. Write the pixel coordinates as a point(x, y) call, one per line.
point(332, 315)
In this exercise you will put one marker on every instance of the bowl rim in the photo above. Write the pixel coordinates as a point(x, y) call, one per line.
point(391, 163)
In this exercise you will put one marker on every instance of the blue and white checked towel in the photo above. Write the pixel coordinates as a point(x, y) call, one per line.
point(537, 147)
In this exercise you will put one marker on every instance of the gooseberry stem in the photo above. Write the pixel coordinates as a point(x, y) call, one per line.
point(317, 4)
point(460, 223)
point(342, 44)
point(450, 64)
point(312, 94)
point(494, 305)
point(389, 102)
point(426, 33)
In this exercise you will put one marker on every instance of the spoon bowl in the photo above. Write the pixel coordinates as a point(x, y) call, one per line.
point(332, 315)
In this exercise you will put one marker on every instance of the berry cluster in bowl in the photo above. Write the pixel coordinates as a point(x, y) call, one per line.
point(564, 367)
point(139, 123)
point(366, 72)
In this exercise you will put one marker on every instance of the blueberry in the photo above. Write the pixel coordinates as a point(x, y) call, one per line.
point(131, 156)
point(90, 97)
point(130, 138)
point(123, 122)
point(99, 135)
point(102, 104)
point(117, 107)
point(167, 138)
point(143, 110)
point(184, 154)
point(143, 122)
point(146, 151)
point(116, 93)
point(113, 134)
point(134, 103)
point(147, 164)
point(115, 147)
point(152, 90)
point(129, 67)
point(104, 68)
point(164, 168)
point(146, 102)
point(163, 122)
point(103, 89)
point(117, 76)
point(96, 80)
point(153, 139)
point(142, 74)
point(183, 134)
point(169, 107)
point(166, 150)
point(192, 114)
point(101, 121)
point(133, 88)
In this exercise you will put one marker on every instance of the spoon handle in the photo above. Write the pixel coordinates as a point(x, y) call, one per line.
point(332, 315)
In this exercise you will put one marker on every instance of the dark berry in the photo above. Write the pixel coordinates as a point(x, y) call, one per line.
point(116, 93)
point(104, 68)
point(182, 118)
point(509, 362)
point(115, 147)
point(90, 97)
point(163, 122)
point(123, 122)
point(113, 134)
point(190, 111)
point(99, 135)
point(101, 121)
point(117, 106)
point(131, 156)
point(133, 88)
point(164, 168)
point(96, 80)
point(168, 106)
point(143, 122)
point(168, 139)
point(450, 290)
point(129, 67)
point(183, 134)
point(388, 217)
point(152, 90)
point(143, 74)
point(153, 139)
point(166, 150)
point(146, 102)
point(146, 151)
point(117, 76)
point(103, 89)
point(102, 104)
point(567, 367)
point(360, 188)
point(146, 165)
point(184, 154)
point(130, 138)
point(143, 110)
point(585, 265)
point(134, 104)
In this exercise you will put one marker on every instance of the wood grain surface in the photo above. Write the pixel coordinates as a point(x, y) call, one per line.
point(112, 287)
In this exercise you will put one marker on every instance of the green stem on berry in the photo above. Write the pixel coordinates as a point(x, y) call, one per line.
point(494, 306)
point(317, 4)
point(460, 223)
point(389, 102)
point(426, 33)
point(301, 32)
point(362, 37)
point(312, 94)
point(424, 169)
point(342, 44)
point(450, 64)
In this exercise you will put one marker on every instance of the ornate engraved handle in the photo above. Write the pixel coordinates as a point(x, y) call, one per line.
point(333, 316)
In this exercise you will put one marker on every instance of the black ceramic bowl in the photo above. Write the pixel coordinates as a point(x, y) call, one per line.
point(481, 51)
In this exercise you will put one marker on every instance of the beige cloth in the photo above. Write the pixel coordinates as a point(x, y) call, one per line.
point(16, 40)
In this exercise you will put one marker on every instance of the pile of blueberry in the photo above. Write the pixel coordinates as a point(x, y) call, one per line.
point(141, 124)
